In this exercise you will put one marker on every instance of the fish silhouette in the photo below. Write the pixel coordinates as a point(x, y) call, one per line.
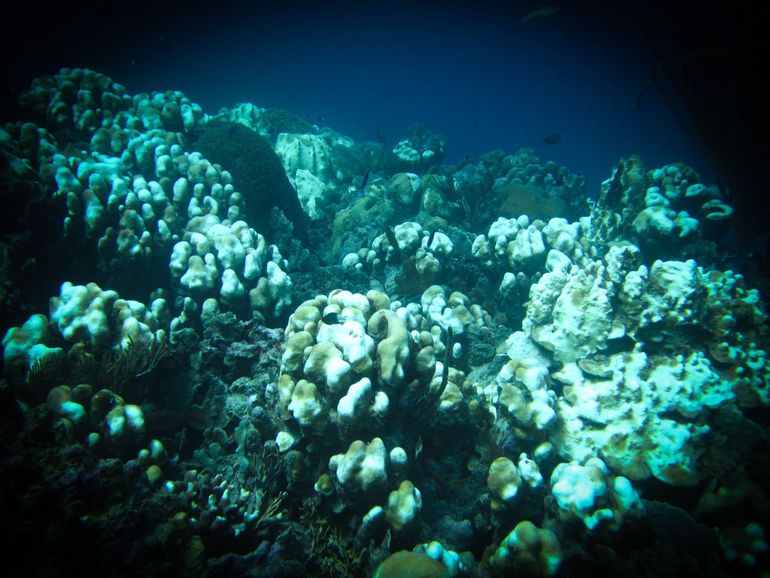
point(332, 318)
point(552, 139)
point(540, 13)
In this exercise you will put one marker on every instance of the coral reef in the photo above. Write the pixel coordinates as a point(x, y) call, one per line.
point(409, 368)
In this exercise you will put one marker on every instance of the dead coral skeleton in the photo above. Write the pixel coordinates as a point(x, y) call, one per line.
point(336, 554)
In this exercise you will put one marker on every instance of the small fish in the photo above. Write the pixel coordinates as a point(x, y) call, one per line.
point(552, 139)
point(430, 239)
point(447, 359)
point(540, 13)
point(391, 235)
point(332, 318)
point(365, 180)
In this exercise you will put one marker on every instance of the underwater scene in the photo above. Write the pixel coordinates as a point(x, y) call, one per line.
point(289, 327)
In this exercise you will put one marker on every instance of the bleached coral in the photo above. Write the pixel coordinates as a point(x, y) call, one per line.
point(307, 152)
point(332, 355)
point(393, 352)
point(404, 505)
point(503, 482)
point(420, 149)
point(137, 194)
point(569, 312)
point(232, 262)
point(523, 392)
point(87, 314)
point(26, 346)
point(355, 363)
point(589, 493)
point(361, 470)
point(338, 357)
point(622, 406)
point(419, 254)
point(665, 210)
point(629, 418)
point(535, 550)
point(306, 158)
point(523, 249)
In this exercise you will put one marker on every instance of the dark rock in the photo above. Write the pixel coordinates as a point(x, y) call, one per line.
point(257, 173)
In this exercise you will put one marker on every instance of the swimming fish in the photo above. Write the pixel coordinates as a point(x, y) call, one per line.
point(365, 180)
point(552, 139)
point(332, 318)
point(430, 239)
point(540, 13)
point(447, 358)
point(391, 235)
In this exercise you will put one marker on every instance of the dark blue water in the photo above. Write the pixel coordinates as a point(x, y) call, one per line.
point(473, 73)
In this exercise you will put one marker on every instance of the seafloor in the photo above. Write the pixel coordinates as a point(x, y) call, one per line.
point(244, 345)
